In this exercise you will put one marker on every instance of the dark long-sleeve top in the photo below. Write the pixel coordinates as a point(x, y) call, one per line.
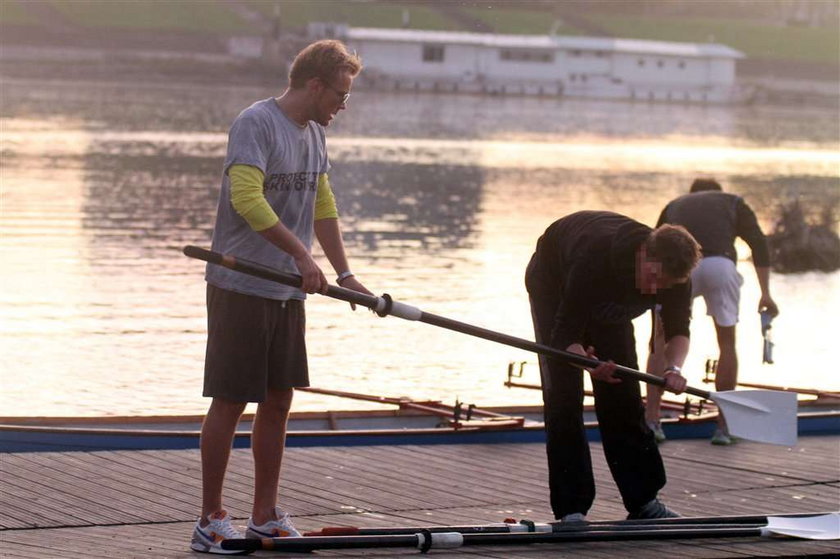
point(715, 219)
point(590, 257)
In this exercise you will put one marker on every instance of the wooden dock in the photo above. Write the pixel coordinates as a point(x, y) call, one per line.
point(143, 503)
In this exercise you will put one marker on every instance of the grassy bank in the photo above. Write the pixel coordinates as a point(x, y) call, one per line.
point(760, 39)
point(756, 40)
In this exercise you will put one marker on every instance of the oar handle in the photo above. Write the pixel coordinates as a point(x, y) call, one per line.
point(385, 305)
point(264, 272)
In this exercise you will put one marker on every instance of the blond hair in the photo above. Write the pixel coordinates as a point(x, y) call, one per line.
point(323, 59)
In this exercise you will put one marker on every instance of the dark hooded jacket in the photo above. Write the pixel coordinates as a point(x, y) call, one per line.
point(587, 260)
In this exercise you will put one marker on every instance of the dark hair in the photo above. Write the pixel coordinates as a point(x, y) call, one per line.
point(701, 184)
point(323, 59)
point(675, 248)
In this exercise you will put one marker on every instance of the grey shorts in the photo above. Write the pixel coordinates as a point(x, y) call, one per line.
point(253, 344)
point(717, 280)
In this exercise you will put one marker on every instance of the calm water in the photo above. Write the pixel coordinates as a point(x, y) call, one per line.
point(442, 199)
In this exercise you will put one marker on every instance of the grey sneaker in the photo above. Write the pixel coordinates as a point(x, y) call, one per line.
point(722, 438)
point(209, 538)
point(573, 518)
point(658, 433)
point(654, 509)
point(280, 528)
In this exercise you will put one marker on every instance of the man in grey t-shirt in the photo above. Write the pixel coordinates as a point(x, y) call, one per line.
point(275, 198)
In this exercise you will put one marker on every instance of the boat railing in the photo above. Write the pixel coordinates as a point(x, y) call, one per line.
point(455, 416)
point(686, 408)
point(821, 396)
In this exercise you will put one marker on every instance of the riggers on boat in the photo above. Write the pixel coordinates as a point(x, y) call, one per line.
point(410, 422)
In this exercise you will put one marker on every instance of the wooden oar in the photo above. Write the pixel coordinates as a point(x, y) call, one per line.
point(757, 415)
point(825, 527)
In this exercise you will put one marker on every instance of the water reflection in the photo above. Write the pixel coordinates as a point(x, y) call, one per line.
point(157, 195)
point(115, 106)
point(138, 202)
point(389, 205)
point(442, 200)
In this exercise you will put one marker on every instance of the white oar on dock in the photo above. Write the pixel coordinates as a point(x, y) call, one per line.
point(822, 527)
point(767, 416)
point(813, 525)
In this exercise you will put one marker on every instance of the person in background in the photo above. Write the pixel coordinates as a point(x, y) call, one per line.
point(715, 218)
point(275, 197)
point(592, 273)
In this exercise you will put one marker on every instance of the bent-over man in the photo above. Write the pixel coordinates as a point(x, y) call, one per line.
point(592, 273)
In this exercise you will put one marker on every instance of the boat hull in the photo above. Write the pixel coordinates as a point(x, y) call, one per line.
point(92, 434)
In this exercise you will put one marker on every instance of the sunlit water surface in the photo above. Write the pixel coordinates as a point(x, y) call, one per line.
point(442, 200)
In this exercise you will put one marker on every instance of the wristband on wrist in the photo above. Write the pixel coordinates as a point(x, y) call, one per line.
point(672, 369)
point(343, 276)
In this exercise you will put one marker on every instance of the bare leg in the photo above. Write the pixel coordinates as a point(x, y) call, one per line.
point(268, 441)
point(726, 376)
point(655, 366)
point(217, 433)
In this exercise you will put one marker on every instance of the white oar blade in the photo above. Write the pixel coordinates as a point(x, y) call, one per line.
point(822, 527)
point(767, 416)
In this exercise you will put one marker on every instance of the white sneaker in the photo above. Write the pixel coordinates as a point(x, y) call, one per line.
point(208, 539)
point(280, 528)
point(723, 438)
point(658, 433)
point(573, 518)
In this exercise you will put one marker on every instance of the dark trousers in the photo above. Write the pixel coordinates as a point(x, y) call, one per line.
point(629, 446)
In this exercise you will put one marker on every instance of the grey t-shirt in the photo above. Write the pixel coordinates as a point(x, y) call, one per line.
point(291, 157)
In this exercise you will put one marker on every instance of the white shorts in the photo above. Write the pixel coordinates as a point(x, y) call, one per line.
point(718, 281)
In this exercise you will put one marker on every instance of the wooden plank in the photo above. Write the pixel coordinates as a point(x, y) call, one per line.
point(71, 478)
point(409, 491)
point(812, 459)
point(84, 506)
point(398, 485)
point(123, 490)
point(436, 481)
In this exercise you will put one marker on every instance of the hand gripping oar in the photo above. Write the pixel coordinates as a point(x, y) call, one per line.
point(758, 415)
point(824, 527)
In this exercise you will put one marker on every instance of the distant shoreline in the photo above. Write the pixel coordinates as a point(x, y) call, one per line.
point(62, 53)
point(123, 60)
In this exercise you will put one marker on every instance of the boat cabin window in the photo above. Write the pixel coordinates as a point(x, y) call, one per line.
point(526, 55)
point(432, 53)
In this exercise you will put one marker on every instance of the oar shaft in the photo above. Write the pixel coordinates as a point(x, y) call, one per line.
point(615, 535)
point(392, 530)
point(528, 345)
point(427, 540)
point(732, 519)
point(696, 522)
point(423, 541)
point(383, 306)
point(556, 528)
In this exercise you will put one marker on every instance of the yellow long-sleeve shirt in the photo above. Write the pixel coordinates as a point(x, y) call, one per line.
point(246, 192)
